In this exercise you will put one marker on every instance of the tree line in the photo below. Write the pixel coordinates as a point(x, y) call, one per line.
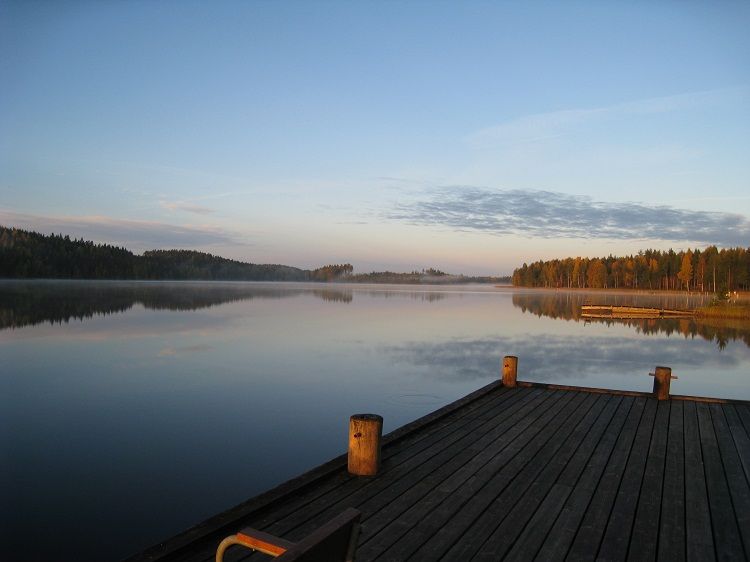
point(708, 270)
point(25, 254)
point(31, 255)
point(344, 272)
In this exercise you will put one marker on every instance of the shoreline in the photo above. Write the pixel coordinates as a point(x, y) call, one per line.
point(737, 295)
point(737, 309)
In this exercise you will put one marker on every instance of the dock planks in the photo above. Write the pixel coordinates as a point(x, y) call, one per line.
point(533, 472)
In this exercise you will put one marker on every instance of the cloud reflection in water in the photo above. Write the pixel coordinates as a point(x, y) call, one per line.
point(547, 357)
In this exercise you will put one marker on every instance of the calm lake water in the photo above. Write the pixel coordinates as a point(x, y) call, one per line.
point(130, 411)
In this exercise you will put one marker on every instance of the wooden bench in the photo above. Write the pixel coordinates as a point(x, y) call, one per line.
point(335, 541)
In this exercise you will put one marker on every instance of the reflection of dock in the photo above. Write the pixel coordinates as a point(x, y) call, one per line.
point(529, 471)
point(629, 312)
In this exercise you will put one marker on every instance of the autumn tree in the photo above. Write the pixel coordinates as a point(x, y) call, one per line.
point(686, 269)
point(709, 269)
point(597, 275)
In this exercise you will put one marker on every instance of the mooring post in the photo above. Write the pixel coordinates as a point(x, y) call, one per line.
point(365, 431)
point(662, 377)
point(510, 370)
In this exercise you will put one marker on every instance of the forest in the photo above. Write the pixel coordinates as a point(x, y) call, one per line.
point(25, 254)
point(31, 255)
point(709, 270)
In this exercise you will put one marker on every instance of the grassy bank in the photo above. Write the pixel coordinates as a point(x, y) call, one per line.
point(735, 311)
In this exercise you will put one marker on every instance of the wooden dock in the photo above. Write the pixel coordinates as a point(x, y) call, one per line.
point(631, 312)
point(534, 472)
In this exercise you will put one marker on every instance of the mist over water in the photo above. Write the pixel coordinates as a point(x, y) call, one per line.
point(130, 411)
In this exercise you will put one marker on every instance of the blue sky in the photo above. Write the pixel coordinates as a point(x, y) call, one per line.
point(469, 136)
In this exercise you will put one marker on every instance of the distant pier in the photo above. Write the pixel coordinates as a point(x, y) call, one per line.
point(522, 471)
point(627, 312)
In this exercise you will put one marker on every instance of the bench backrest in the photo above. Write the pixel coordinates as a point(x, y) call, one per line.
point(333, 542)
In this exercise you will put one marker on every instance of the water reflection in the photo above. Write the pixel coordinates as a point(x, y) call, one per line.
point(330, 295)
point(550, 357)
point(160, 394)
point(27, 303)
point(30, 303)
point(567, 306)
point(24, 303)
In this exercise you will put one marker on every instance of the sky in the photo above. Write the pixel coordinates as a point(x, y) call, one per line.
point(466, 136)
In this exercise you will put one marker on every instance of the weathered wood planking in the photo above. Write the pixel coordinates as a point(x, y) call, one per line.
point(533, 472)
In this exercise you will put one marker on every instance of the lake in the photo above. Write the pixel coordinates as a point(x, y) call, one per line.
point(132, 410)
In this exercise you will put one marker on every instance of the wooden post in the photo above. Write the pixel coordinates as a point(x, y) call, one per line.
point(662, 377)
point(510, 370)
point(365, 431)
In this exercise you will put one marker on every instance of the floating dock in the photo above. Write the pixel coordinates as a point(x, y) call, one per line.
point(628, 312)
point(527, 472)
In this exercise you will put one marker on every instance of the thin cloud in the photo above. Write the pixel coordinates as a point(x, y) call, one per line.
point(547, 214)
point(542, 126)
point(133, 234)
point(183, 206)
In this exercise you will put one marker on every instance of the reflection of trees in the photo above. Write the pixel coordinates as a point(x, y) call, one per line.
point(334, 296)
point(25, 303)
point(428, 297)
point(29, 303)
point(712, 329)
point(346, 294)
point(395, 293)
point(566, 305)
